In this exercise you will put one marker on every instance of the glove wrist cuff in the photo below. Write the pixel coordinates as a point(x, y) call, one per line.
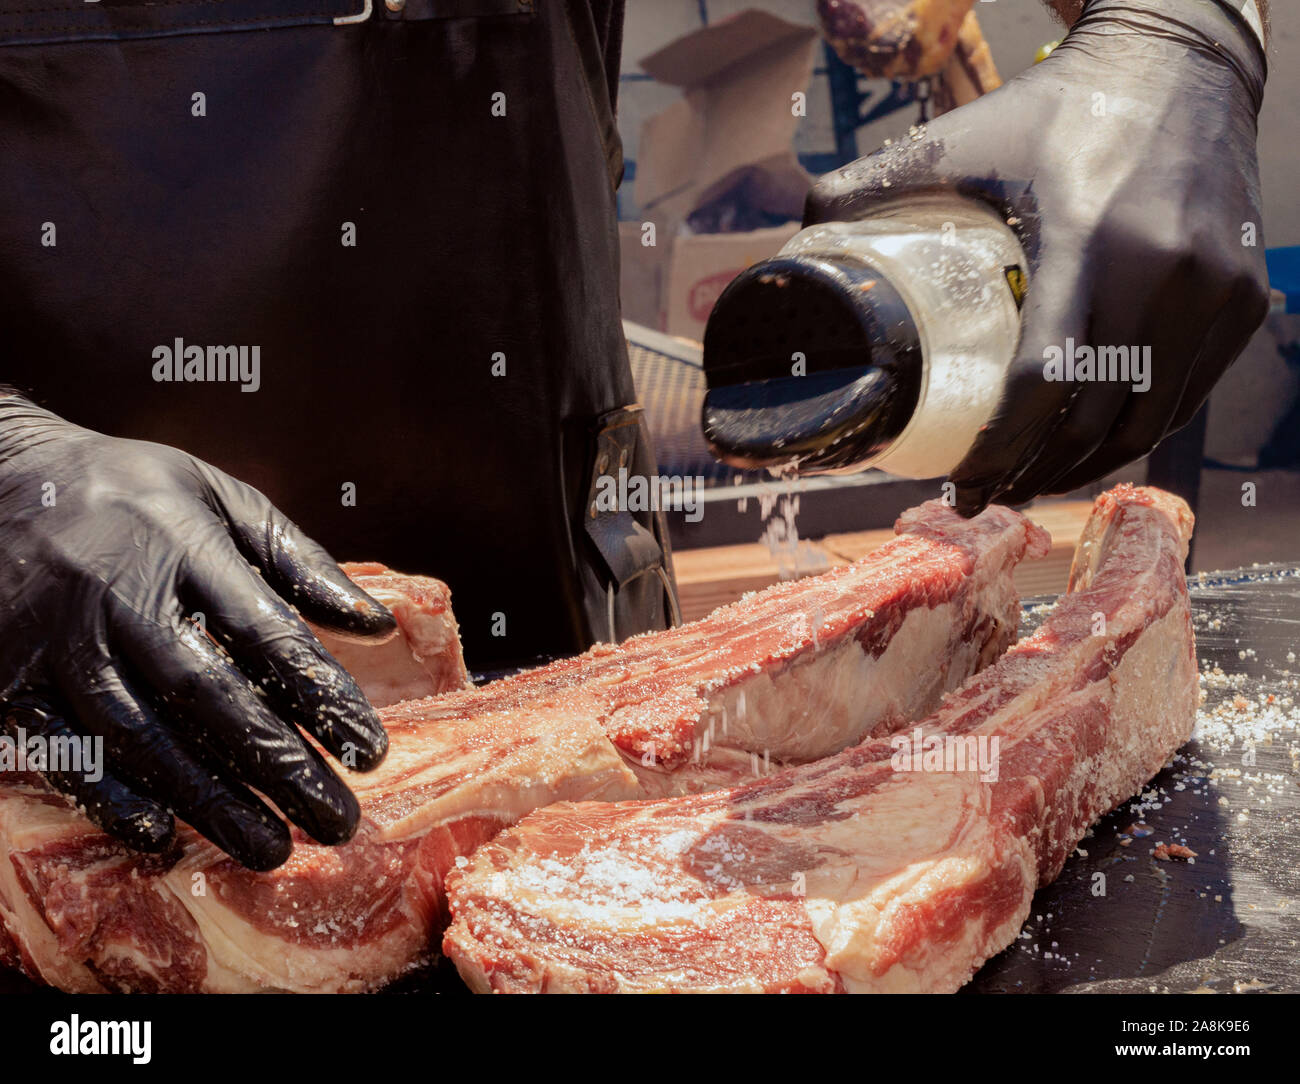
point(1221, 28)
point(1248, 12)
point(13, 403)
point(22, 422)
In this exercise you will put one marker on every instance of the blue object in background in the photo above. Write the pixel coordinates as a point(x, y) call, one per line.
point(1284, 274)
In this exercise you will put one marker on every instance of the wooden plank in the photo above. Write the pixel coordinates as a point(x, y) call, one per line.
point(715, 576)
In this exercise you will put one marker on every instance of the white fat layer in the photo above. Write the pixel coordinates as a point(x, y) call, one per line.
point(26, 824)
point(826, 701)
point(387, 670)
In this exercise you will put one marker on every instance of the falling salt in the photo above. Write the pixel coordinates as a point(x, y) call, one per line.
point(778, 506)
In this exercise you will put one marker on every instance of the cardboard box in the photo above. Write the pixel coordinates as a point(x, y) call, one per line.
point(724, 153)
point(641, 276)
point(735, 117)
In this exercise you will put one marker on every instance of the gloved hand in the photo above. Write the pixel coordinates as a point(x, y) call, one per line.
point(109, 549)
point(1126, 163)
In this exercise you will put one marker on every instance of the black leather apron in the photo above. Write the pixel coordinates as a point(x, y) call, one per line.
point(437, 395)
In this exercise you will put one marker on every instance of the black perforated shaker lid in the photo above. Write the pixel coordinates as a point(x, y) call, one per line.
point(811, 363)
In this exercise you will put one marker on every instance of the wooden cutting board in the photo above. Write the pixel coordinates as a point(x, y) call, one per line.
point(717, 575)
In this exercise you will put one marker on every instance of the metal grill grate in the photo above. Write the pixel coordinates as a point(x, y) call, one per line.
point(669, 376)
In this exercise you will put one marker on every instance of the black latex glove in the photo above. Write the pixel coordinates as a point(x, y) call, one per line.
point(108, 550)
point(1132, 222)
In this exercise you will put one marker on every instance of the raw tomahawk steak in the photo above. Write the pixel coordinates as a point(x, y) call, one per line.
point(850, 874)
point(800, 670)
point(868, 646)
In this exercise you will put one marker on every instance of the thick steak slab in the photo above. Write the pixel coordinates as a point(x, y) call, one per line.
point(821, 663)
point(799, 670)
point(849, 873)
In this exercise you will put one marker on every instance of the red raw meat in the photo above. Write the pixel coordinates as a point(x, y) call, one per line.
point(826, 660)
point(801, 669)
point(850, 873)
point(423, 658)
